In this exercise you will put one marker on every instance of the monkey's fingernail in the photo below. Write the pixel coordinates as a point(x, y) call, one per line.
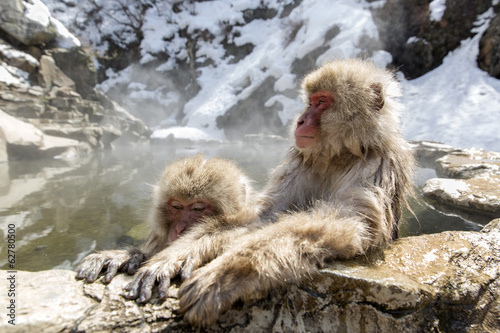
point(142, 299)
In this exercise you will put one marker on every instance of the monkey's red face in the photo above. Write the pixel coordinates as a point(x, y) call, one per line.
point(306, 133)
point(185, 213)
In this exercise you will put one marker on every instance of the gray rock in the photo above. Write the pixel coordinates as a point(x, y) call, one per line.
point(427, 152)
point(475, 184)
point(468, 163)
point(18, 58)
point(78, 66)
point(22, 29)
point(24, 139)
point(489, 49)
point(90, 134)
point(51, 75)
point(440, 282)
point(4, 157)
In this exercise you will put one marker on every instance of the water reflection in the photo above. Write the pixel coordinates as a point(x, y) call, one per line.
point(62, 210)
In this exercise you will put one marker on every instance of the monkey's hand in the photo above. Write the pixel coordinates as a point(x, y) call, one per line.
point(113, 260)
point(197, 247)
point(160, 269)
point(212, 289)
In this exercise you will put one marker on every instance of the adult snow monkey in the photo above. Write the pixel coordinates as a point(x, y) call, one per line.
point(195, 194)
point(338, 193)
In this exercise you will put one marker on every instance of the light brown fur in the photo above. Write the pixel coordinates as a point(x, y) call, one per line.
point(232, 201)
point(332, 201)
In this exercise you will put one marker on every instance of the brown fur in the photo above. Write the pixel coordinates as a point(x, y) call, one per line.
point(232, 200)
point(333, 201)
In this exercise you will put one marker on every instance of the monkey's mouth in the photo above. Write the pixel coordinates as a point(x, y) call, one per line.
point(303, 141)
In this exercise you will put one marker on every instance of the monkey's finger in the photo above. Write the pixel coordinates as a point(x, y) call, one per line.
point(163, 288)
point(187, 269)
point(81, 273)
point(111, 272)
point(94, 271)
point(147, 287)
point(90, 269)
point(134, 287)
point(124, 268)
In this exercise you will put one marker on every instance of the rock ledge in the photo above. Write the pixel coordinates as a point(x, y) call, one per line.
point(439, 282)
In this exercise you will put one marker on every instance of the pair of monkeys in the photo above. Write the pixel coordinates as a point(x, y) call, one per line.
point(337, 194)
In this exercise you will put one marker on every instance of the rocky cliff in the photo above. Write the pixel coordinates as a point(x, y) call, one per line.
point(48, 102)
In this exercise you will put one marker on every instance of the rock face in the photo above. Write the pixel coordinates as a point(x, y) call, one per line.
point(476, 180)
point(417, 41)
point(51, 90)
point(489, 53)
point(23, 139)
point(20, 28)
point(440, 282)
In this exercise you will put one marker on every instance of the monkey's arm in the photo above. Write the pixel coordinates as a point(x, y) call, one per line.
point(113, 260)
point(200, 245)
point(287, 251)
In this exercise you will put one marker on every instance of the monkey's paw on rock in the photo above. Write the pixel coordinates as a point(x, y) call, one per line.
point(423, 283)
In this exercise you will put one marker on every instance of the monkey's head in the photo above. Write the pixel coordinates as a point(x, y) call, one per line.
point(351, 107)
point(193, 188)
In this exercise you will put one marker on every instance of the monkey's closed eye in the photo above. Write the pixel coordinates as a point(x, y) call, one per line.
point(199, 207)
point(177, 205)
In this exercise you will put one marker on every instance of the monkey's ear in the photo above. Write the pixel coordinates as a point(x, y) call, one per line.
point(379, 99)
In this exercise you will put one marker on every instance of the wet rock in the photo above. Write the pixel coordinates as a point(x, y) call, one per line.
point(24, 139)
point(439, 282)
point(90, 134)
point(480, 194)
point(468, 163)
point(427, 152)
point(475, 183)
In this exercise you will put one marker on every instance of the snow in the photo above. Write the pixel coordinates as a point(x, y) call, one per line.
point(12, 75)
point(37, 11)
point(437, 9)
point(457, 103)
point(65, 39)
point(8, 51)
point(223, 85)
